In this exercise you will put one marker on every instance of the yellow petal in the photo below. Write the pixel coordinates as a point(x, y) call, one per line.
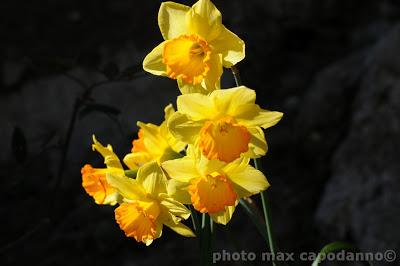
point(230, 101)
point(168, 111)
point(127, 187)
point(110, 158)
point(182, 170)
point(174, 207)
point(264, 119)
point(237, 165)
point(204, 19)
point(212, 80)
point(206, 166)
point(224, 217)
point(197, 106)
point(230, 46)
point(169, 154)
point(137, 159)
point(180, 229)
point(258, 145)
point(178, 191)
point(184, 129)
point(248, 181)
point(153, 141)
point(172, 19)
point(187, 88)
point(176, 145)
point(153, 62)
point(193, 152)
point(173, 222)
point(152, 179)
point(245, 112)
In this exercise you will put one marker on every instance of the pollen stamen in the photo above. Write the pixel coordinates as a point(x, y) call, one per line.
point(187, 57)
point(223, 139)
point(212, 193)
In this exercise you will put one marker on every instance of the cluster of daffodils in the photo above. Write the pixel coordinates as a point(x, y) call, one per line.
point(200, 154)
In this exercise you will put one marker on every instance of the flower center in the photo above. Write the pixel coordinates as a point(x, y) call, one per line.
point(95, 183)
point(138, 219)
point(212, 193)
point(223, 139)
point(187, 57)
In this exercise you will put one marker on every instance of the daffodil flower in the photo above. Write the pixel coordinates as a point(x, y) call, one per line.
point(147, 206)
point(195, 48)
point(223, 125)
point(155, 143)
point(214, 187)
point(94, 179)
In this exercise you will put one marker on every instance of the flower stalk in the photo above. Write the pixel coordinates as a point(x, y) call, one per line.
point(206, 240)
point(195, 219)
point(236, 76)
point(255, 215)
point(264, 199)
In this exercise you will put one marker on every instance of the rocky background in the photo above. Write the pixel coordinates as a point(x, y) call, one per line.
point(333, 68)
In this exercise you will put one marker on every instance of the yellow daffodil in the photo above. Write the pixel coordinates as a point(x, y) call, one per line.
point(94, 179)
point(223, 125)
point(155, 143)
point(214, 187)
point(147, 206)
point(195, 48)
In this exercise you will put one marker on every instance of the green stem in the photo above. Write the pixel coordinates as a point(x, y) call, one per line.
point(255, 216)
point(264, 201)
point(206, 247)
point(236, 76)
point(212, 238)
point(195, 220)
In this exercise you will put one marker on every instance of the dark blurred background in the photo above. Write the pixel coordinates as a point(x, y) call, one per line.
point(72, 68)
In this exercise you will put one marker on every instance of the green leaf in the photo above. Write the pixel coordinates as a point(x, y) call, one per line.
point(332, 247)
point(206, 241)
point(255, 216)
